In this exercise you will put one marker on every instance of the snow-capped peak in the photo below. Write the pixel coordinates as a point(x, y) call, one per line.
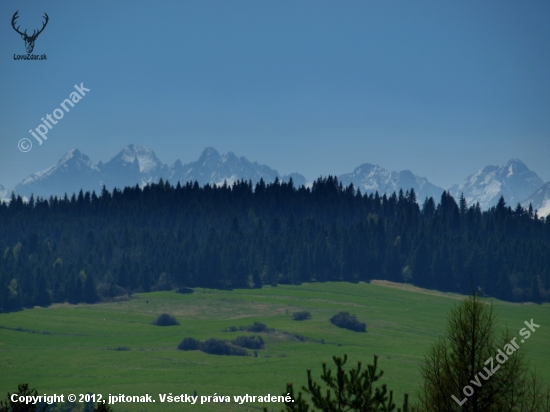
point(146, 158)
point(74, 156)
point(514, 181)
point(209, 157)
point(540, 200)
point(370, 178)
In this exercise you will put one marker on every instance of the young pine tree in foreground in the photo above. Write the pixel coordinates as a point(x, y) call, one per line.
point(351, 390)
point(24, 390)
point(473, 369)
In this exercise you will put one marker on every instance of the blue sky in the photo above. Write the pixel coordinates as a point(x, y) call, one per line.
point(317, 87)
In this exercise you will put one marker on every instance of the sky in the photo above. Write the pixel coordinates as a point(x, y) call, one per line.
point(316, 87)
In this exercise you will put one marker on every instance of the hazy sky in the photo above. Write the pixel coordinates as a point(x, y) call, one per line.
point(319, 87)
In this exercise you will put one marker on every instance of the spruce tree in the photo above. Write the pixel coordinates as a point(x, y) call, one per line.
point(472, 368)
point(22, 391)
point(354, 391)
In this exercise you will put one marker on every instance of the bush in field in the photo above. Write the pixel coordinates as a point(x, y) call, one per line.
point(189, 344)
point(347, 321)
point(166, 320)
point(303, 315)
point(120, 348)
point(250, 342)
point(212, 346)
point(221, 347)
point(258, 328)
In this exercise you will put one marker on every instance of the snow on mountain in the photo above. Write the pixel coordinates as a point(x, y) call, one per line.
point(297, 179)
point(139, 165)
point(514, 181)
point(133, 165)
point(370, 178)
point(147, 161)
point(213, 168)
point(3, 193)
point(73, 172)
point(540, 200)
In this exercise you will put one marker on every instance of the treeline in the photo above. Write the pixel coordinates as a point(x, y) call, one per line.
point(87, 247)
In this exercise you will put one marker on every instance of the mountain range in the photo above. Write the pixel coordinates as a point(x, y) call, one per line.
point(514, 181)
point(371, 178)
point(139, 165)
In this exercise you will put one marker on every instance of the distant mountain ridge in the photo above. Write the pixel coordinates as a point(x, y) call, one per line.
point(213, 168)
point(137, 164)
point(133, 165)
point(514, 181)
point(71, 173)
point(371, 178)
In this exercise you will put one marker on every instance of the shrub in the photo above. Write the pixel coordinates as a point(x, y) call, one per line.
point(212, 346)
point(221, 347)
point(303, 315)
point(300, 338)
point(185, 290)
point(250, 342)
point(258, 327)
point(189, 344)
point(120, 348)
point(166, 320)
point(347, 321)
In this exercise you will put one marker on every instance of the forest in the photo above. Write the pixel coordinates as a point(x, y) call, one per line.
point(89, 247)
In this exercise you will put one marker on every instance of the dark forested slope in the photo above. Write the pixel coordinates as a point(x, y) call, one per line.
point(89, 246)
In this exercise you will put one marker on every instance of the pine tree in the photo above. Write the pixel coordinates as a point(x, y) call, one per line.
point(89, 291)
point(75, 291)
point(42, 296)
point(22, 390)
point(352, 390)
point(103, 407)
point(473, 369)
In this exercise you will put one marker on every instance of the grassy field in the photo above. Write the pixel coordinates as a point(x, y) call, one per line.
point(68, 349)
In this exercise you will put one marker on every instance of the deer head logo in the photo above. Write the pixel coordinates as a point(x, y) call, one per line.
point(29, 40)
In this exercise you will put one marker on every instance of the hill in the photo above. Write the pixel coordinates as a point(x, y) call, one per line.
point(72, 348)
point(162, 237)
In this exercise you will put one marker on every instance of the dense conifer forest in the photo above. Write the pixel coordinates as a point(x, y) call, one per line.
point(89, 247)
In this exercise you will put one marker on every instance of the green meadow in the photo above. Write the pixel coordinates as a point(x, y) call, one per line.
point(72, 349)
